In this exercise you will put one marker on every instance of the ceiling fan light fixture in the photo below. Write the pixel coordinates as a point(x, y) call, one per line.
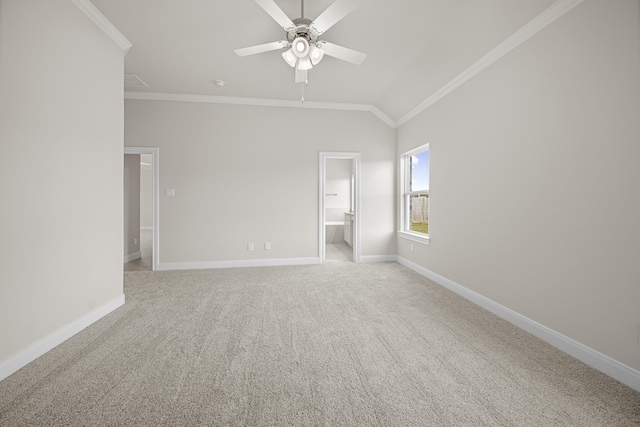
point(316, 54)
point(304, 64)
point(300, 47)
point(289, 57)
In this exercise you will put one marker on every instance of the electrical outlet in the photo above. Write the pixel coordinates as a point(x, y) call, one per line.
point(250, 247)
point(411, 248)
point(267, 246)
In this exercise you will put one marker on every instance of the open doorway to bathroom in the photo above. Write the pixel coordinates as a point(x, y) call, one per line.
point(145, 261)
point(141, 209)
point(339, 213)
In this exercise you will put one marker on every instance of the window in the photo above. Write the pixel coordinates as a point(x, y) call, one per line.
point(415, 194)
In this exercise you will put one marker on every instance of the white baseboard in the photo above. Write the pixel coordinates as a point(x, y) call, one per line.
point(605, 364)
point(43, 345)
point(274, 262)
point(146, 228)
point(378, 258)
point(131, 257)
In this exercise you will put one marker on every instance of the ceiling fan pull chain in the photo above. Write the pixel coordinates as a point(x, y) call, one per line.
point(304, 83)
point(301, 8)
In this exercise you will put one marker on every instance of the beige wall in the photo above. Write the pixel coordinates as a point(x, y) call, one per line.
point(245, 174)
point(534, 169)
point(131, 204)
point(61, 132)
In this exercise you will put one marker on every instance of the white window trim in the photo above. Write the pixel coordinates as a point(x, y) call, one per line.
point(404, 211)
point(415, 237)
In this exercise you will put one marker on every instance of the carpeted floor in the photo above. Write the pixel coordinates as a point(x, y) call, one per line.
point(332, 344)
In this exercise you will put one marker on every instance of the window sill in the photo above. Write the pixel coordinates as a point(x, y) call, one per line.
point(415, 237)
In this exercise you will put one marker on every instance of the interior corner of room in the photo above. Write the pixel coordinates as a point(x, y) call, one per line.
point(533, 143)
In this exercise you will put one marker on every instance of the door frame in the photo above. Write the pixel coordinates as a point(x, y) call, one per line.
point(337, 155)
point(155, 177)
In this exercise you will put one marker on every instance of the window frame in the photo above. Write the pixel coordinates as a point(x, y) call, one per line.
point(406, 194)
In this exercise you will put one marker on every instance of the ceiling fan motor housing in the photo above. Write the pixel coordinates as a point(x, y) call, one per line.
point(302, 48)
point(302, 30)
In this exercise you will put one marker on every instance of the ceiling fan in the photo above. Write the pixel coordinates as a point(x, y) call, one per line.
point(304, 49)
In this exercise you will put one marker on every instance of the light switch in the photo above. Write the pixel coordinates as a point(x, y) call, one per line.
point(170, 192)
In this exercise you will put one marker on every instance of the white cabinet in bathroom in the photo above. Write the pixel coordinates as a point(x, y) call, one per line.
point(348, 228)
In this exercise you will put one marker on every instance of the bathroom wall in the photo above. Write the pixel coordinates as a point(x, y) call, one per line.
point(337, 198)
point(146, 192)
point(131, 207)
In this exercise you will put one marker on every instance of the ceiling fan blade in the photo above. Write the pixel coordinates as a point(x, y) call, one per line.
point(252, 50)
point(301, 76)
point(343, 53)
point(334, 13)
point(277, 14)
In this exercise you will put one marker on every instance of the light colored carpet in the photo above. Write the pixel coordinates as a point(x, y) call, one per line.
point(336, 344)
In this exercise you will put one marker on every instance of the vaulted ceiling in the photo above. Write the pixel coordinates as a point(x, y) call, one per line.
point(413, 47)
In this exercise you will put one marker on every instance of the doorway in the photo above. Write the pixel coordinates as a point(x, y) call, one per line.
point(339, 207)
point(149, 232)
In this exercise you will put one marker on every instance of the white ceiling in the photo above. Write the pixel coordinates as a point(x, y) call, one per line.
point(413, 47)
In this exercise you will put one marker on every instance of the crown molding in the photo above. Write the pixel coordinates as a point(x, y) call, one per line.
point(530, 29)
point(104, 24)
point(382, 116)
point(261, 102)
point(533, 27)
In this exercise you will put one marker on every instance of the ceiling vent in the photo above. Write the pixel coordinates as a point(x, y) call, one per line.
point(131, 80)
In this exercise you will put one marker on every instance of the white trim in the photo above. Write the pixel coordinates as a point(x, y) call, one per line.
point(414, 237)
point(378, 258)
point(382, 116)
point(609, 366)
point(261, 102)
point(131, 257)
point(205, 265)
point(146, 228)
point(334, 223)
point(43, 345)
point(533, 27)
point(322, 163)
point(104, 24)
point(417, 150)
point(155, 178)
point(405, 195)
